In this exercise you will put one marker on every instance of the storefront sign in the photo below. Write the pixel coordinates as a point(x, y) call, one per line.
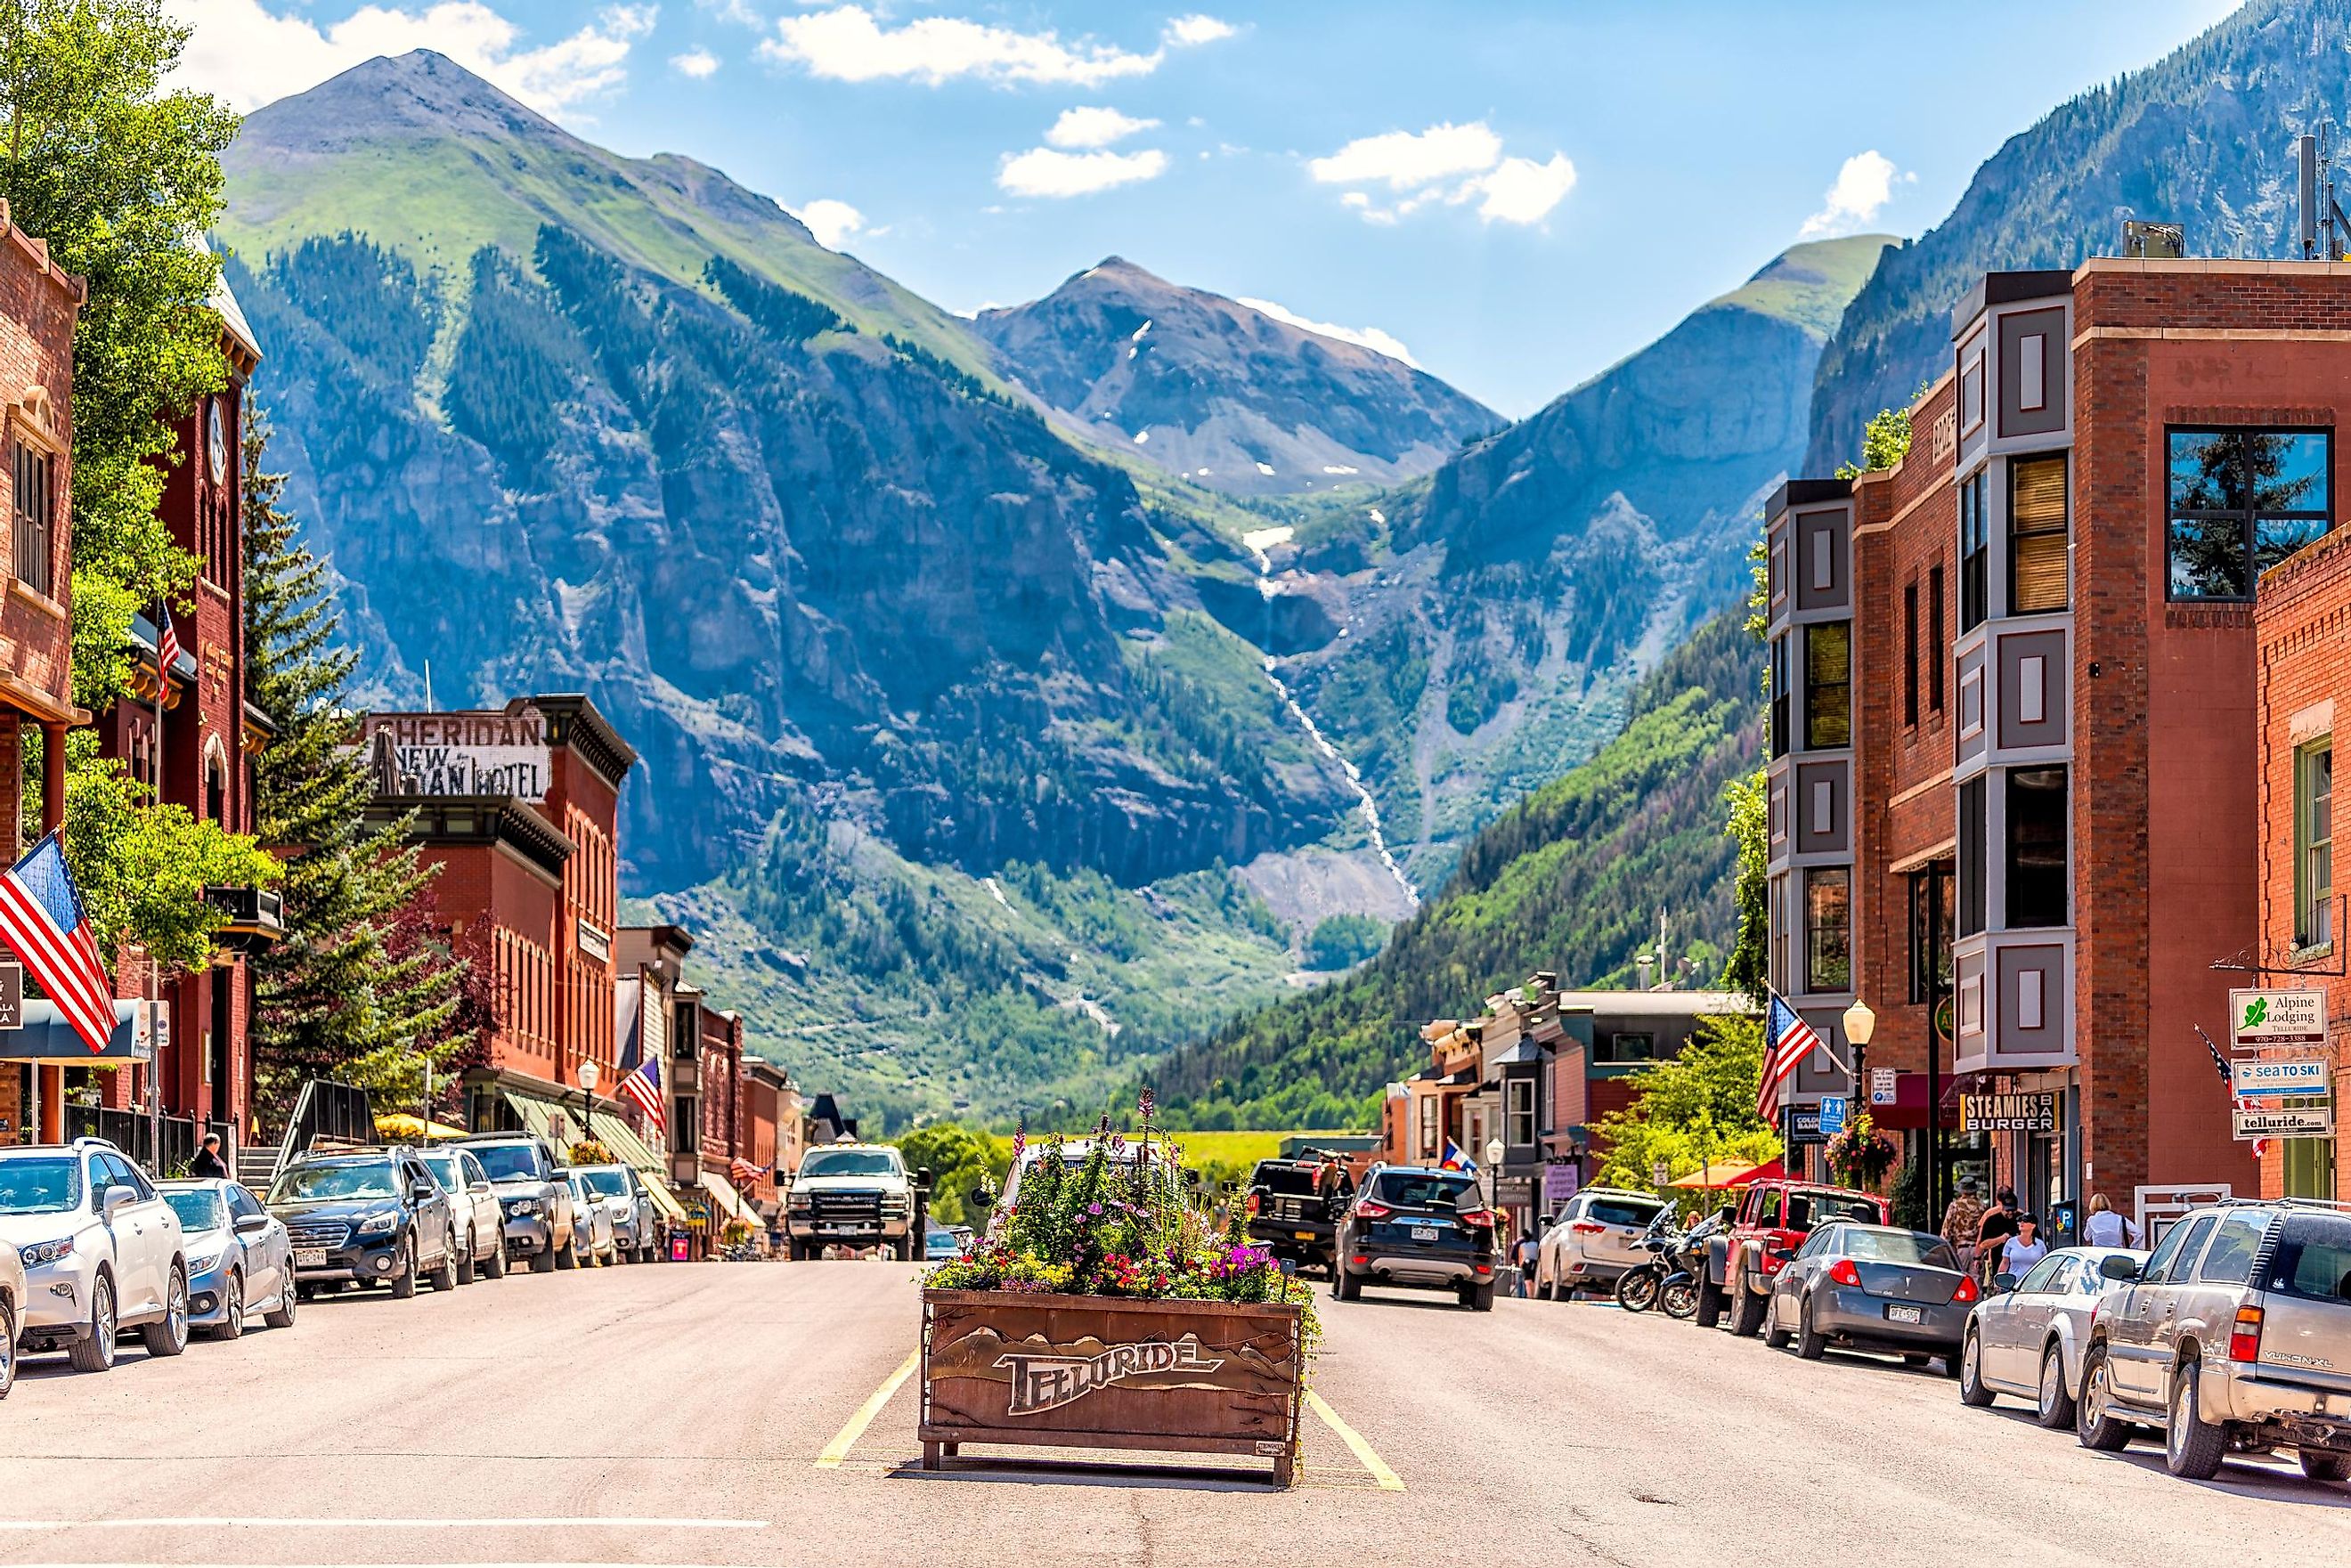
point(11, 995)
point(2032, 1112)
point(2317, 1122)
point(2269, 1076)
point(1804, 1125)
point(1561, 1180)
point(427, 754)
point(594, 942)
point(2267, 1021)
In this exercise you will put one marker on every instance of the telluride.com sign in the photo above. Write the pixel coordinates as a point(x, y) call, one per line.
point(431, 754)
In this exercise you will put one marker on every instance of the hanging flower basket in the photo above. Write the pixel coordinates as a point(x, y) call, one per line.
point(1860, 1153)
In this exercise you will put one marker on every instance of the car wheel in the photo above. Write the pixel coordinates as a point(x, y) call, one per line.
point(1480, 1298)
point(568, 1256)
point(545, 1262)
point(2055, 1408)
point(2096, 1424)
point(444, 1277)
point(232, 1324)
point(1346, 1286)
point(1774, 1336)
point(403, 1274)
point(1972, 1390)
point(170, 1336)
point(8, 1348)
point(94, 1353)
point(2316, 1463)
point(496, 1266)
point(2193, 1448)
point(1811, 1343)
point(1710, 1303)
point(1746, 1312)
point(467, 1270)
point(281, 1316)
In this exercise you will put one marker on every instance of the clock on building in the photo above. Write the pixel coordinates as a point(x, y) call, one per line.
point(217, 441)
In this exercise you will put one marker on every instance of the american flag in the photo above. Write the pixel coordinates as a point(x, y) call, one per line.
point(744, 1171)
point(41, 918)
point(2241, 1102)
point(644, 1087)
point(167, 644)
point(1787, 1040)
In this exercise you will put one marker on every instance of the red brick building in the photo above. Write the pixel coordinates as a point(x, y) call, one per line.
point(2302, 624)
point(39, 304)
point(518, 807)
point(2013, 711)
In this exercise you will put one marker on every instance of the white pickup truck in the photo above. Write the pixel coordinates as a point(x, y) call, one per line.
point(851, 1195)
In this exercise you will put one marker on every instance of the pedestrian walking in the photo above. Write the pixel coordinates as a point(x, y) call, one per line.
point(2106, 1227)
point(208, 1161)
point(1998, 1225)
point(1523, 1255)
point(1961, 1219)
point(2020, 1251)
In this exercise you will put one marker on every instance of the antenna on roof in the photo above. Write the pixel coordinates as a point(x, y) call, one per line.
point(2324, 226)
point(428, 687)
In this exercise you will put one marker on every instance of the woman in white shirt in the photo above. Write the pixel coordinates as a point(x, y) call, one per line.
point(2024, 1248)
point(2105, 1227)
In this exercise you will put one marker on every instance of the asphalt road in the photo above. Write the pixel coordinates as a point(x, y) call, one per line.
point(707, 1413)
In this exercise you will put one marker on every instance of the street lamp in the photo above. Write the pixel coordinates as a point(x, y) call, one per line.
point(590, 1070)
point(1860, 1024)
point(1494, 1153)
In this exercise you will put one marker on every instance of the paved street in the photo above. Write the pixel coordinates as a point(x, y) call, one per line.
point(596, 1418)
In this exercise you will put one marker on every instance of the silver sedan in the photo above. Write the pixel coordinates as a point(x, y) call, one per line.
point(2026, 1341)
point(1871, 1287)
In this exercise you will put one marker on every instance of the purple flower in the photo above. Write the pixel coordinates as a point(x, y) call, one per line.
point(1093, 1209)
point(1143, 1105)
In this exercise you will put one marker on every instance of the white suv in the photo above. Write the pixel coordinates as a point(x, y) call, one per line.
point(101, 1248)
point(1593, 1241)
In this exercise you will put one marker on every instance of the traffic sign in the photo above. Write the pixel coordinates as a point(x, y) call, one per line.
point(1833, 1109)
point(1660, 1174)
point(1884, 1088)
point(2270, 1076)
point(2266, 1020)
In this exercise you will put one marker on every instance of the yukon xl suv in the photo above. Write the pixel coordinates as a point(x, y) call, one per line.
point(101, 1252)
point(2234, 1334)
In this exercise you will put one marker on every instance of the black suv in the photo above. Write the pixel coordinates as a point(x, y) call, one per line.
point(1418, 1227)
point(1293, 1207)
point(369, 1217)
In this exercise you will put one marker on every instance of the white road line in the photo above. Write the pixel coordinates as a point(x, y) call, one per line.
point(262, 1522)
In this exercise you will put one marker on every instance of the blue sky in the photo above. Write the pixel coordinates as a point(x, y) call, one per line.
point(1518, 194)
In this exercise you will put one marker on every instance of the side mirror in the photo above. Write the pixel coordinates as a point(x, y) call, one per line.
point(252, 1224)
point(2003, 1282)
point(982, 1195)
point(478, 1187)
point(2117, 1268)
point(422, 1192)
point(115, 1200)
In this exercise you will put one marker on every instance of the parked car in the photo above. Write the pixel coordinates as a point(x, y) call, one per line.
point(366, 1216)
point(1594, 1241)
point(1420, 1228)
point(2026, 1339)
point(1871, 1287)
point(940, 1246)
point(536, 1199)
point(1774, 1220)
point(100, 1250)
point(852, 1195)
point(12, 1302)
point(481, 1221)
point(636, 1227)
point(2234, 1334)
point(1293, 1207)
point(592, 1242)
point(240, 1259)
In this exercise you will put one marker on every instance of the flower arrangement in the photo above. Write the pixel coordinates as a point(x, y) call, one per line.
point(590, 1152)
point(1860, 1152)
point(1120, 1222)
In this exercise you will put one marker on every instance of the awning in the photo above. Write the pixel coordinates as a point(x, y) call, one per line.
point(616, 1135)
point(48, 1037)
point(532, 1113)
point(723, 1194)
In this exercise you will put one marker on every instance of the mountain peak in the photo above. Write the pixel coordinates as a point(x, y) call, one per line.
point(423, 94)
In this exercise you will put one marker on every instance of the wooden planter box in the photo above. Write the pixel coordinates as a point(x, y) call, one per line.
point(1103, 1371)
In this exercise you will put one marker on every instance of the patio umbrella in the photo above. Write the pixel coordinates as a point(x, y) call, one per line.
point(1724, 1173)
point(413, 1129)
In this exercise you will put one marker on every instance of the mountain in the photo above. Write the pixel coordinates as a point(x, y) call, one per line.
point(1573, 877)
point(1223, 393)
point(2202, 138)
point(1470, 636)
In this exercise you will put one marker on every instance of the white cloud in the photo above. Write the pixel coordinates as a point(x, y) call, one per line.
point(1092, 127)
point(734, 11)
point(1405, 159)
point(846, 44)
point(830, 221)
point(1448, 164)
point(1198, 30)
point(1371, 338)
point(694, 63)
point(1863, 185)
point(1521, 191)
point(251, 56)
point(1042, 172)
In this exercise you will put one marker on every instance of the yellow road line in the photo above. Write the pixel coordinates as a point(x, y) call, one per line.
point(846, 1438)
point(1364, 1453)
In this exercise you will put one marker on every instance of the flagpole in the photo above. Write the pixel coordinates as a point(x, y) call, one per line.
point(154, 978)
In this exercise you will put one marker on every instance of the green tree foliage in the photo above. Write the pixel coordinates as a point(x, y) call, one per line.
point(1884, 442)
point(359, 989)
point(781, 313)
point(1569, 880)
point(1698, 1109)
point(1343, 941)
point(1746, 970)
point(959, 1159)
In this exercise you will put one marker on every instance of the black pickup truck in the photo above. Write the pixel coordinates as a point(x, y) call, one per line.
point(1293, 1207)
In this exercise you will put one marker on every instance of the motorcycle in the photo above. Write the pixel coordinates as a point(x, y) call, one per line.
point(1668, 1280)
point(1638, 1288)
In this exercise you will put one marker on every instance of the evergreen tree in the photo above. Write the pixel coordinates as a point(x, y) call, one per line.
point(363, 989)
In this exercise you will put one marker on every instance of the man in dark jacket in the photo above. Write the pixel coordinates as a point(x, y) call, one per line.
point(208, 1161)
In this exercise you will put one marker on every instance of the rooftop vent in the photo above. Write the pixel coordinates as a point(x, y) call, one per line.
point(2153, 242)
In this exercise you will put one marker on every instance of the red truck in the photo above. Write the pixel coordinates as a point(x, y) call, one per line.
point(1775, 1214)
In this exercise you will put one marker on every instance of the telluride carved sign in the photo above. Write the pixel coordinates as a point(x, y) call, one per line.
point(1051, 1381)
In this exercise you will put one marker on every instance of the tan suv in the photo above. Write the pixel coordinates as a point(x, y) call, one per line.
point(2235, 1336)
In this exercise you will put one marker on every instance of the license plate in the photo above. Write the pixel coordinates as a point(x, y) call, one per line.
point(1424, 1233)
point(1309, 1235)
point(1906, 1314)
point(310, 1256)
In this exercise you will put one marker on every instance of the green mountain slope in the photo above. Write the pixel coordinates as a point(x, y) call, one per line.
point(2202, 138)
point(1571, 879)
